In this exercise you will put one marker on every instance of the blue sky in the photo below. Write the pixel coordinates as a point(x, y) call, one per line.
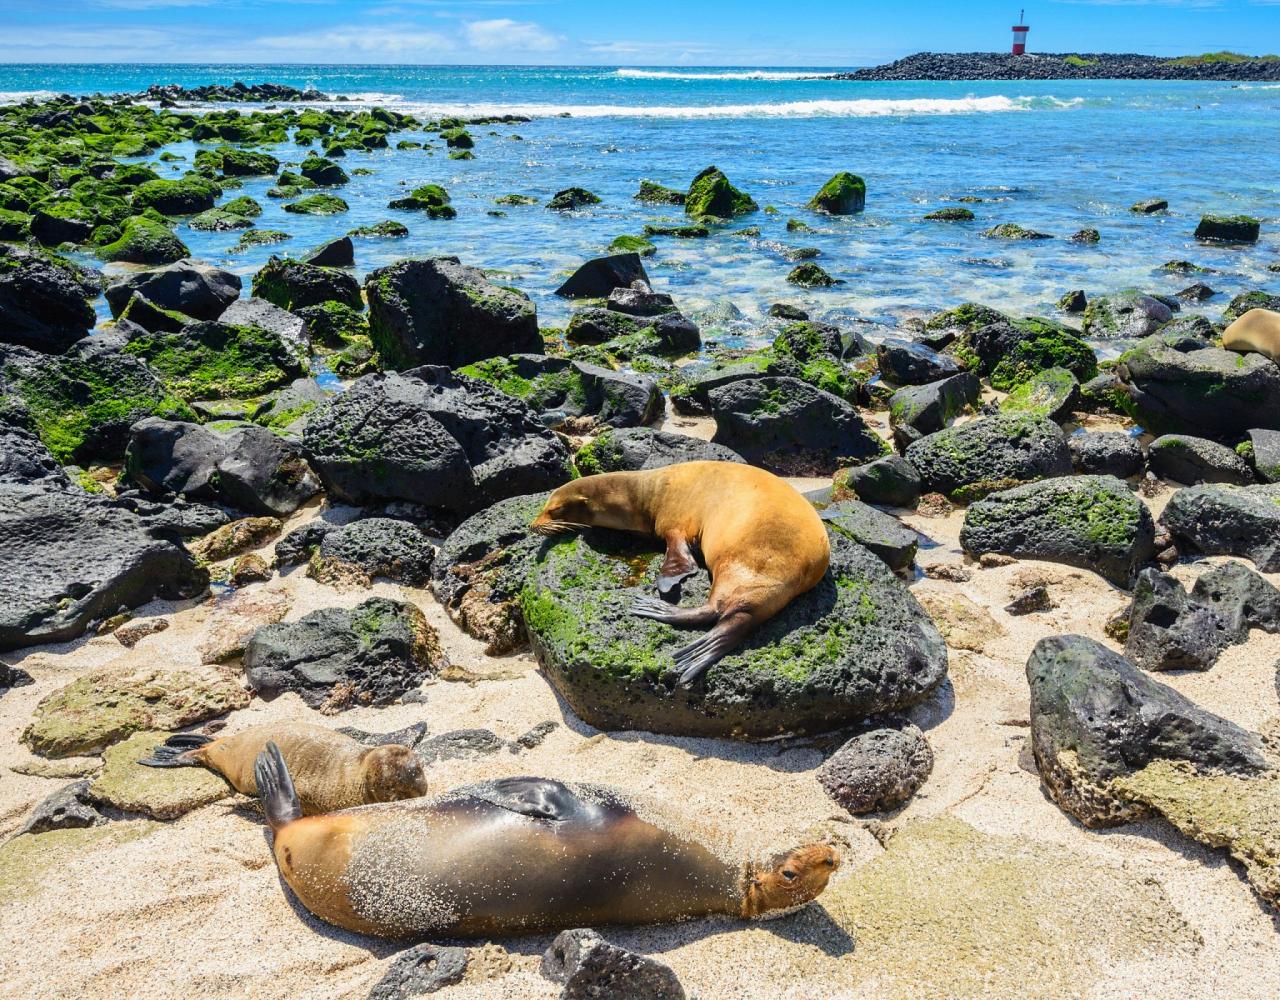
point(651, 32)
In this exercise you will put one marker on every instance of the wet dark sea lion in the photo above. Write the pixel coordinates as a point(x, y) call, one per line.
point(762, 541)
point(515, 856)
point(330, 771)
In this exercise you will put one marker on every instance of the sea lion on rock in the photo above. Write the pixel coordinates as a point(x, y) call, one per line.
point(763, 543)
point(332, 771)
point(1256, 330)
point(515, 856)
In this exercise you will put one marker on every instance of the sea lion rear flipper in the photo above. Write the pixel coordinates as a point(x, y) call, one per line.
point(693, 660)
point(677, 566)
point(668, 614)
point(172, 752)
point(279, 799)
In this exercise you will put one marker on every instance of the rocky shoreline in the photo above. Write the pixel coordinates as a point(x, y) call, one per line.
point(1067, 66)
point(304, 495)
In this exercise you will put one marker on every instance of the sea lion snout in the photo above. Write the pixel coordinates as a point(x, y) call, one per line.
point(793, 879)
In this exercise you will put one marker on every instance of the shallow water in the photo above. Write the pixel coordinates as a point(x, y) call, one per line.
point(1053, 156)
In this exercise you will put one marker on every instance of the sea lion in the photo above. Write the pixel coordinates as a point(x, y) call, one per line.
point(1256, 330)
point(762, 541)
point(514, 856)
point(332, 771)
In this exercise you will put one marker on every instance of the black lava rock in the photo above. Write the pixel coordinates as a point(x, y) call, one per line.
point(593, 969)
point(971, 460)
point(891, 481)
point(632, 449)
point(906, 362)
point(1194, 460)
point(193, 289)
point(1228, 520)
point(422, 969)
point(1167, 631)
point(44, 299)
point(879, 769)
point(598, 277)
point(1106, 453)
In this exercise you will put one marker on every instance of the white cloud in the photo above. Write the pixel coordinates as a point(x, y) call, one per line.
point(505, 35)
point(358, 39)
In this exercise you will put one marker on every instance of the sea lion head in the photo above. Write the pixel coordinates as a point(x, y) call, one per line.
point(789, 880)
point(392, 773)
point(609, 500)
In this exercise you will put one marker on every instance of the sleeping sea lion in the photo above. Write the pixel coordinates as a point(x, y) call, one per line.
point(332, 771)
point(762, 541)
point(1256, 330)
point(514, 856)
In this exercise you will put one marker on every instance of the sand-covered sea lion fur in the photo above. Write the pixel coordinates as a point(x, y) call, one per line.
point(763, 543)
point(517, 855)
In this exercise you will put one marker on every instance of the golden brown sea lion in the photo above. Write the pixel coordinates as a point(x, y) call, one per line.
point(331, 771)
point(1257, 330)
point(515, 856)
point(762, 541)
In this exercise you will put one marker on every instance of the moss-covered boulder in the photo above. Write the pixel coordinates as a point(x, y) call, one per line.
point(633, 244)
point(386, 229)
point(107, 705)
point(145, 241)
point(1010, 350)
point(214, 360)
point(1253, 299)
point(430, 198)
point(1206, 391)
point(856, 645)
point(633, 449)
point(323, 171)
point(1228, 229)
point(952, 213)
point(161, 793)
point(259, 238)
point(1092, 522)
point(1013, 231)
point(1052, 393)
point(219, 220)
point(653, 193)
point(185, 196)
point(82, 403)
point(968, 461)
point(293, 284)
point(1125, 315)
point(572, 198)
point(844, 194)
point(337, 658)
point(711, 196)
point(810, 275)
point(318, 204)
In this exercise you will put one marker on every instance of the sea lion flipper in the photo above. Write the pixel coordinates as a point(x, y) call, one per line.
point(693, 660)
point(677, 566)
point(279, 799)
point(173, 751)
point(661, 611)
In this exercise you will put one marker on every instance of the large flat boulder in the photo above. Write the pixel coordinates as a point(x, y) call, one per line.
point(68, 558)
point(194, 289)
point(1227, 520)
point(856, 645)
point(969, 461)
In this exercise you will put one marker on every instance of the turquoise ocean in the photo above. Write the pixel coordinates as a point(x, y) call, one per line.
point(1053, 156)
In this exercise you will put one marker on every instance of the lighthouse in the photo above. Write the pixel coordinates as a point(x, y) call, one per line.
point(1020, 35)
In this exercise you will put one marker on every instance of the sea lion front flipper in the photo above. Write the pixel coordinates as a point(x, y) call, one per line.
point(279, 799)
point(537, 798)
point(693, 660)
point(677, 566)
point(174, 751)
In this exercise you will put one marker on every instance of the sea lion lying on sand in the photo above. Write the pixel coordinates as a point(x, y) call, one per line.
point(515, 856)
point(331, 771)
point(1256, 330)
point(762, 541)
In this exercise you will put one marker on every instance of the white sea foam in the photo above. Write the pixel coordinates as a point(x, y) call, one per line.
point(736, 74)
point(864, 108)
point(370, 97)
point(18, 96)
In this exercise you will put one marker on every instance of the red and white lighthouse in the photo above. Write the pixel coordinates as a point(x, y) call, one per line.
point(1020, 35)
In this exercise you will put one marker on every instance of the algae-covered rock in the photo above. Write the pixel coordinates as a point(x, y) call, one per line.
point(571, 198)
point(184, 196)
point(1205, 391)
point(844, 194)
point(430, 198)
point(1013, 231)
point(1228, 229)
point(434, 438)
point(917, 410)
point(655, 194)
point(353, 554)
point(337, 658)
point(318, 204)
point(1194, 460)
point(1096, 718)
point(439, 311)
point(880, 533)
point(68, 558)
point(239, 536)
point(480, 571)
point(952, 213)
point(82, 403)
point(194, 289)
point(790, 427)
point(810, 275)
point(1222, 519)
point(856, 645)
point(104, 706)
point(1092, 522)
point(971, 460)
point(1010, 350)
point(711, 195)
point(145, 241)
point(1126, 315)
point(891, 480)
point(1052, 393)
point(633, 449)
point(161, 793)
point(293, 284)
point(215, 360)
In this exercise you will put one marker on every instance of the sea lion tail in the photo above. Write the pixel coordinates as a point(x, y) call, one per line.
point(279, 799)
point(173, 751)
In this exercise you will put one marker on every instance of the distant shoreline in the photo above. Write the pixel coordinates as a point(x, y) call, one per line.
point(1224, 66)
